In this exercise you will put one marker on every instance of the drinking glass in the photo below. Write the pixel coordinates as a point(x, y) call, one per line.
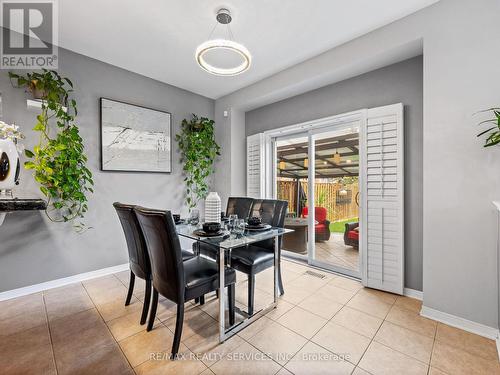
point(194, 219)
point(239, 226)
point(232, 221)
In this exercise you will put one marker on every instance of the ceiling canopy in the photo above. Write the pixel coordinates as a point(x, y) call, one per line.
point(336, 157)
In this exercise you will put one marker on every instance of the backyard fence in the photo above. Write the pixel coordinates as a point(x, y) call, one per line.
point(339, 207)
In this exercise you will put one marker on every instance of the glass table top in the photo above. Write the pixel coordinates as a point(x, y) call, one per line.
point(230, 240)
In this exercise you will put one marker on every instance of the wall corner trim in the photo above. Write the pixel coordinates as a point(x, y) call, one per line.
point(413, 293)
point(458, 322)
point(498, 346)
point(19, 292)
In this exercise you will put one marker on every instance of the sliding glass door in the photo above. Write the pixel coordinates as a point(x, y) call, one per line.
point(291, 184)
point(317, 172)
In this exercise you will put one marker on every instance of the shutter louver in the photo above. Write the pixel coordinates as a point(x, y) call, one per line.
point(255, 166)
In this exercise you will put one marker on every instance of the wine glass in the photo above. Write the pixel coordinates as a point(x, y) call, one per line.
point(194, 219)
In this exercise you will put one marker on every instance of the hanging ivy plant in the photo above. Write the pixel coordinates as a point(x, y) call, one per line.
point(198, 152)
point(58, 160)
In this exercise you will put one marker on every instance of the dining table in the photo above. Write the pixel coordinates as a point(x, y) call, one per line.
point(225, 243)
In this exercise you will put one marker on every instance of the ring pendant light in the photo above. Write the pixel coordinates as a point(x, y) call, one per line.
point(223, 17)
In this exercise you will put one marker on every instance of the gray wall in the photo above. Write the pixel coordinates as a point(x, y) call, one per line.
point(460, 177)
point(401, 82)
point(34, 250)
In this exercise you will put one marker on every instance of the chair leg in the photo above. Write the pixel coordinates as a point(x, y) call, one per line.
point(147, 300)
point(231, 296)
point(197, 300)
point(217, 293)
point(152, 314)
point(130, 288)
point(178, 329)
point(280, 280)
point(251, 292)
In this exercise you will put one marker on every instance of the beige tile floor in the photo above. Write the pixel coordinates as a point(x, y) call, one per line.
point(321, 326)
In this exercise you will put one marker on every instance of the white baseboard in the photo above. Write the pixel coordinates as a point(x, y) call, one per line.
point(413, 293)
point(19, 292)
point(458, 322)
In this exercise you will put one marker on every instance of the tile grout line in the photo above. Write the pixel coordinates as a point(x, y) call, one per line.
point(330, 321)
point(371, 340)
point(396, 350)
point(50, 333)
point(114, 339)
point(308, 340)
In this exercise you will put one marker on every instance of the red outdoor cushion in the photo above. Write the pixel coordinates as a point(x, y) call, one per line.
point(353, 235)
point(320, 213)
point(320, 227)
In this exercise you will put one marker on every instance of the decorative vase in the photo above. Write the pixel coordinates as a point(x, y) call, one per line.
point(212, 208)
point(9, 165)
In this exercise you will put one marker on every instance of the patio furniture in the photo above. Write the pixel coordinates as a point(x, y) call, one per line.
point(177, 280)
point(322, 227)
point(297, 240)
point(351, 235)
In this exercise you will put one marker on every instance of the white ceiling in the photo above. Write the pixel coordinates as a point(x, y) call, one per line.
point(157, 38)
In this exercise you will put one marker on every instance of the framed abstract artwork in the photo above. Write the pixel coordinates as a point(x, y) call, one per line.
point(135, 138)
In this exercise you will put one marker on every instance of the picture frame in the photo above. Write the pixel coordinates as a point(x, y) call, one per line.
point(134, 138)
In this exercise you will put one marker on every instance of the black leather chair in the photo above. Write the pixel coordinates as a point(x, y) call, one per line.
point(259, 256)
point(138, 254)
point(173, 278)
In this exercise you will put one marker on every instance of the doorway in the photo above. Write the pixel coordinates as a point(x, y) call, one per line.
point(317, 172)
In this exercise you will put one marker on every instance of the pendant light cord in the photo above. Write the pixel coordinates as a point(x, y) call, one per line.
point(213, 29)
point(229, 32)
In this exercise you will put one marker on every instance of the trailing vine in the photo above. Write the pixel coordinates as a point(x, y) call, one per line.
point(58, 160)
point(198, 153)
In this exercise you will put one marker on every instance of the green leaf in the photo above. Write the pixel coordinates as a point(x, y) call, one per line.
point(29, 165)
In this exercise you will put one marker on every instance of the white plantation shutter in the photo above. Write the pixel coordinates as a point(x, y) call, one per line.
point(255, 166)
point(382, 222)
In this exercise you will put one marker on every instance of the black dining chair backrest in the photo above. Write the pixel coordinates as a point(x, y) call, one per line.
point(164, 251)
point(239, 206)
point(282, 209)
point(272, 212)
point(136, 245)
point(265, 209)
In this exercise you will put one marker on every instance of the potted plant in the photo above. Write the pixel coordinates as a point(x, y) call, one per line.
point(9, 156)
point(58, 161)
point(493, 132)
point(198, 152)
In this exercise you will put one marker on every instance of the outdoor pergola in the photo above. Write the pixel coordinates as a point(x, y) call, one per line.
point(336, 157)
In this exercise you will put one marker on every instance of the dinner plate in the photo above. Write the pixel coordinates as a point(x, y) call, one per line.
point(258, 228)
point(202, 233)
